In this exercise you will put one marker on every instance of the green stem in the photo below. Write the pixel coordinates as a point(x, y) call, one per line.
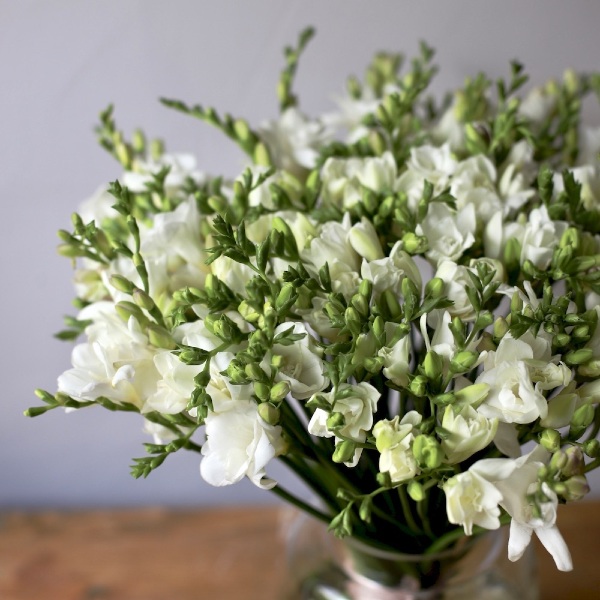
point(407, 510)
point(300, 504)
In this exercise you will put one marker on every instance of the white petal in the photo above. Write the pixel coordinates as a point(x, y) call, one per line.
point(520, 536)
point(553, 541)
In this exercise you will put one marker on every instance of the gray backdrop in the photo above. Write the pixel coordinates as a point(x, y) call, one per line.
point(62, 61)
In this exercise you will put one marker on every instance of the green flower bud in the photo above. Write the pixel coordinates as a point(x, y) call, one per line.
point(583, 416)
point(138, 141)
point(262, 390)
point(578, 357)
point(268, 413)
point(575, 462)
point(512, 254)
point(143, 300)
point(390, 301)
point(248, 312)
point(261, 155)
point(445, 399)
point(129, 309)
point(157, 148)
point(160, 337)
point(121, 283)
point(485, 319)
point(570, 237)
point(415, 490)
point(590, 369)
point(516, 303)
point(361, 304)
point(377, 142)
point(551, 440)
point(418, 386)
point(463, 361)
point(500, 328)
point(365, 289)
point(414, 244)
point(561, 340)
point(558, 461)
point(592, 448)
point(279, 391)
point(364, 511)
point(353, 320)
point(242, 130)
point(254, 372)
point(236, 372)
point(427, 452)
point(576, 487)
point(286, 297)
point(69, 251)
point(435, 287)
point(433, 365)
point(344, 451)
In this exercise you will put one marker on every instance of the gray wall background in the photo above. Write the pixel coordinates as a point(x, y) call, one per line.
point(62, 61)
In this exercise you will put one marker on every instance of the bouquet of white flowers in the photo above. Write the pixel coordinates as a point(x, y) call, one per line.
point(399, 301)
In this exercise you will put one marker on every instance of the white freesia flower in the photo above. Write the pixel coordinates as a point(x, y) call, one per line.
point(387, 273)
point(332, 246)
point(116, 362)
point(540, 238)
point(293, 141)
point(356, 404)
point(515, 490)
point(393, 440)
point(343, 179)
point(232, 273)
point(301, 366)
point(474, 182)
point(498, 232)
point(396, 361)
point(228, 458)
point(456, 280)
point(467, 433)
point(449, 233)
point(516, 176)
point(512, 397)
point(176, 385)
point(471, 499)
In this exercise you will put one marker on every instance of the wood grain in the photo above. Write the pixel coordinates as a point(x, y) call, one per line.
point(228, 554)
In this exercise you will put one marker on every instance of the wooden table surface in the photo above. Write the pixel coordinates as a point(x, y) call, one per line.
point(215, 554)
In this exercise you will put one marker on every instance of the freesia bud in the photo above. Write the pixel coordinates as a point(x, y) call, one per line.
point(414, 244)
point(592, 448)
point(279, 391)
point(583, 417)
point(433, 365)
point(363, 238)
point(335, 421)
point(435, 287)
point(418, 386)
point(161, 338)
point(575, 462)
point(576, 487)
point(344, 451)
point(463, 361)
point(427, 451)
point(578, 357)
point(268, 413)
point(550, 439)
point(415, 490)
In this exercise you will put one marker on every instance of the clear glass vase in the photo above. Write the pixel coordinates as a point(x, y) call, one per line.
point(322, 567)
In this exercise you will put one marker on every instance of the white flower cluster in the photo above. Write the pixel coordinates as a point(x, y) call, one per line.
point(398, 308)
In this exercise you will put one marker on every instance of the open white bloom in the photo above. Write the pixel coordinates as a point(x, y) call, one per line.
point(497, 233)
point(456, 279)
point(474, 182)
point(396, 361)
point(516, 176)
point(356, 404)
point(540, 237)
point(387, 273)
point(332, 246)
point(227, 457)
point(232, 273)
point(174, 389)
point(449, 233)
point(302, 366)
point(467, 432)
point(512, 396)
point(393, 440)
point(294, 140)
point(342, 179)
point(515, 489)
point(471, 499)
point(116, 362)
